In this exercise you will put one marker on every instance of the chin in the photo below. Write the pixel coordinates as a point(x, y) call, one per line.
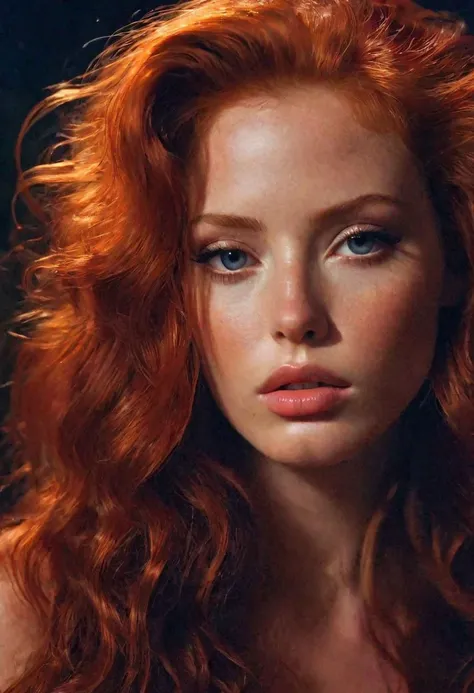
point(306, 456)
point(316, 443)
point(314, 451)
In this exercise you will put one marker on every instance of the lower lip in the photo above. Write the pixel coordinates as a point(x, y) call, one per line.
point(299, 403)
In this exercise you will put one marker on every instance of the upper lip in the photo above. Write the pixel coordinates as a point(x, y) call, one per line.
point(292, 374)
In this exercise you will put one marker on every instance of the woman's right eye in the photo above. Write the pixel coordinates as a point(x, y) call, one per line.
point(226, 259)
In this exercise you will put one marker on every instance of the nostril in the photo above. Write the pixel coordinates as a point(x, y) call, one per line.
point(305, 336)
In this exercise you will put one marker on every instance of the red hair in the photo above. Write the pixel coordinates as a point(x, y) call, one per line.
point(136, 541)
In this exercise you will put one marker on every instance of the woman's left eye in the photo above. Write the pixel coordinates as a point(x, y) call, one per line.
point(362, 242)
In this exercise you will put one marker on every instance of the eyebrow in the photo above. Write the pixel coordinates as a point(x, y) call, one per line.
point(326, 216)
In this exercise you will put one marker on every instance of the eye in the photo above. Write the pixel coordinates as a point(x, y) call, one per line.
point(233, 259)
point(362, 243)
point(225, 259)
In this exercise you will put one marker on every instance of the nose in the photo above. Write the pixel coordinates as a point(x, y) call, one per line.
point(297, 308)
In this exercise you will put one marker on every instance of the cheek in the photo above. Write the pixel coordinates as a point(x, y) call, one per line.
point(395, 327)
point(230, 327)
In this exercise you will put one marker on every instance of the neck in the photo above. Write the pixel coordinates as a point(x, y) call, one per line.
point(312, 522)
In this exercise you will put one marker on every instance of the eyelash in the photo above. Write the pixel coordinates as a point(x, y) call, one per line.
point(228, 276)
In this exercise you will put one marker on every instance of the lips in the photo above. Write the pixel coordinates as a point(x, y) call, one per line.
point(289, 376)
point(303, 386)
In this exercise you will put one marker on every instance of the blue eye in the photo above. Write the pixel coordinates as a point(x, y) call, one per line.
point(233, 259)
point(362, 243)
point(366, 242)
point(220, 259)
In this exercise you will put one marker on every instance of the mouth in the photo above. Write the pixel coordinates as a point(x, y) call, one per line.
point(304, 386)
point(300, 391)
point(301, 377)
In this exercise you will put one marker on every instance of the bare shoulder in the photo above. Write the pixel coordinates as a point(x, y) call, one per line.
point(19, 631)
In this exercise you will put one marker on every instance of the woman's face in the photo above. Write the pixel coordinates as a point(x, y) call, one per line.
point(287, 179)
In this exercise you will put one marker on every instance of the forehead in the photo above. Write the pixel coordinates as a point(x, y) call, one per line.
point(311, 139)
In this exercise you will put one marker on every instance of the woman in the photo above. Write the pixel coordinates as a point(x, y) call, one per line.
point(242, 409)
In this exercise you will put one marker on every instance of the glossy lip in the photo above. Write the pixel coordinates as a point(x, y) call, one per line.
point(300, 404)
point(290, 374)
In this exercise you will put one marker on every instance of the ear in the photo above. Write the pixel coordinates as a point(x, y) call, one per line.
point(455, 286)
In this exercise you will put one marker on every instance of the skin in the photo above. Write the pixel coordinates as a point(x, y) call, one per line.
point(282, 161)
point(304, 295)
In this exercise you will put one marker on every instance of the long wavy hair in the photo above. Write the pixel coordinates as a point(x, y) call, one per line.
point(135, 541)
